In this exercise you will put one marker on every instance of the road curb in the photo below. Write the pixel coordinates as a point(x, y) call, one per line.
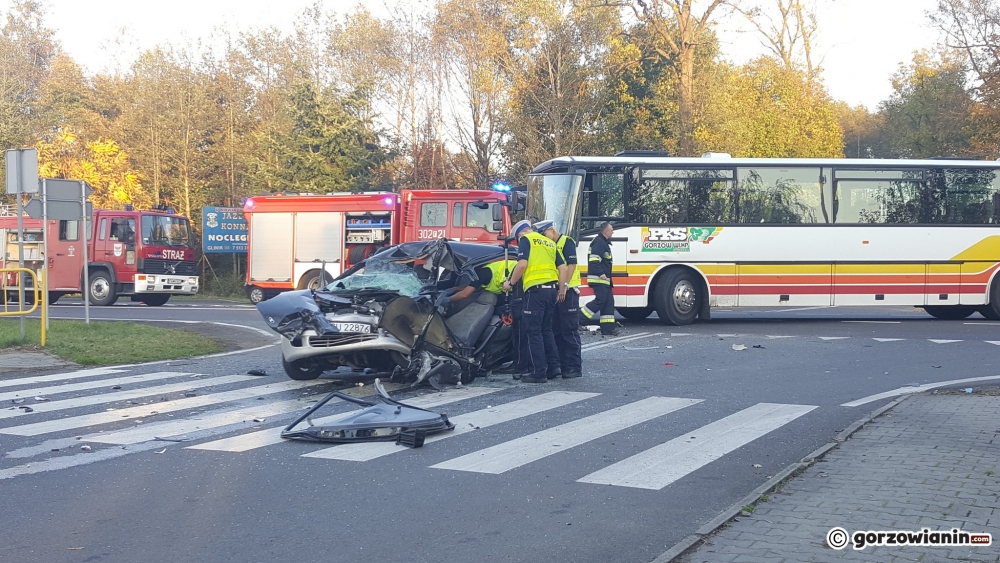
point(694, 540)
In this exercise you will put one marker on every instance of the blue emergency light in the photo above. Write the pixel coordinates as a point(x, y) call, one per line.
point(501, 187)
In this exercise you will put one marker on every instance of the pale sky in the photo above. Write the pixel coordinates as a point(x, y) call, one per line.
point(861, 42)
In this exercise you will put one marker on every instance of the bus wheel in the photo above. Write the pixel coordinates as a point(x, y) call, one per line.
point(302, 370)
point(677, 300)
point(155, 299)
point(256, 295)
point(635, 314)
point(102, 289)
point(992, 309)
point(949, 312)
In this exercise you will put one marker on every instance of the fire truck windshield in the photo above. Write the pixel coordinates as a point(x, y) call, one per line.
point(169, 231)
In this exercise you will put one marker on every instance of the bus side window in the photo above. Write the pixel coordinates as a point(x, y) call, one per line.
point(603, 200)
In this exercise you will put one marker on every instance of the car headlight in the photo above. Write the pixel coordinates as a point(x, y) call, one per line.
point(192, 280)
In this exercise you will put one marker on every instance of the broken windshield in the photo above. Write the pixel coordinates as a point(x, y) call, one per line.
point(381, 272)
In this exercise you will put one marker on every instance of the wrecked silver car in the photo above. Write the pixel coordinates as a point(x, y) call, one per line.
point(387, 313)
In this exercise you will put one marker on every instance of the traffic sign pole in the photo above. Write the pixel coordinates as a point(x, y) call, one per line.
point(20, 251)
point(45, 254)
point(86, 260)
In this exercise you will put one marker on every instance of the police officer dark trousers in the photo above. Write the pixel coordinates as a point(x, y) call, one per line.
point(599, 280)
point(537, 271)
point(566, 325)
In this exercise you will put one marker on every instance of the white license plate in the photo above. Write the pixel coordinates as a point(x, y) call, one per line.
point(175, 281)
point(353, 327)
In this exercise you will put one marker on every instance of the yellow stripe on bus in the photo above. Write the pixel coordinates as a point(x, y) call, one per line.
point(986, 250)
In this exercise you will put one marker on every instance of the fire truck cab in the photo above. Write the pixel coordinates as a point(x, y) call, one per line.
point(148, 255)
point(304, 240)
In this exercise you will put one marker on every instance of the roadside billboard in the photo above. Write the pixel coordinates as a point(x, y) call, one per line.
point(224, 230)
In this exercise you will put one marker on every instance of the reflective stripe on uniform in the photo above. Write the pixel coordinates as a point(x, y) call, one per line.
point(574, 280)
point(607, 318)
point(586, 312)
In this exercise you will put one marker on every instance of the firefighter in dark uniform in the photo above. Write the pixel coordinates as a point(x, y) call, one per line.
point(566, 325)
point(599, 279)
point(538, 272)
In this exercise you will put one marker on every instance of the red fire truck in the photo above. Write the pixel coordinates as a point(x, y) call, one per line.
point(148, 255)
point(291, 237)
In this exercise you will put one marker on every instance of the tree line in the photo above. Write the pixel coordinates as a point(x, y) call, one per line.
point(461, 93)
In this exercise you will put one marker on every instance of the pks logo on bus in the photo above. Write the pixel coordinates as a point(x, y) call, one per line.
point(676, 239)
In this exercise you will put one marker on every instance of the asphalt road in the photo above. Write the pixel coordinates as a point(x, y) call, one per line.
point(668, 427)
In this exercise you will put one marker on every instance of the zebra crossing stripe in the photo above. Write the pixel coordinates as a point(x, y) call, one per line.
point(463, 424)
point(522, 451)
point(660, 466)
point(253, 440)
point(118, 415)
point(104, 398)
point(35, 380)
point(69, 387)
point(623, 340)
point(146, 432)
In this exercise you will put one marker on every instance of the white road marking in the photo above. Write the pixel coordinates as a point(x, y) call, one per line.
point(801, 309)
point(916, 389)
point(108, 383)
point(463, 424)
point(146, 432)
point(875, 322)
point(943, 341)
point(770, 337)
point(726, 335)
point(271, 436)
point(629, 339)
point(103, 398)
point(118, 415)
point(888, 339)
point(522, 451)
point(982, 324)
point(606, 341)
point(661, 465)
point(833, 337)
point(996, 342)
point(681, 334)
point(35, 380)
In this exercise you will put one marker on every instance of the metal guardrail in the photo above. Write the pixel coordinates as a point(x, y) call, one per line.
point(36, 291)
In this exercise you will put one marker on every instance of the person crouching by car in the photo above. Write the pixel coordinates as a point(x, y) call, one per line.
point(565, 324)
point(489, 278)
point(538, 272)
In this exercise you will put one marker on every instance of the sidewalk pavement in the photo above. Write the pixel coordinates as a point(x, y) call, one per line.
point(933, 461)
point(25, 361)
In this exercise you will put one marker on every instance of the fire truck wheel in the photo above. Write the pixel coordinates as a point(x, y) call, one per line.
point(155, 299)
point(256, 295)
point(677, 298)
point(302, 370)
point(102, 289)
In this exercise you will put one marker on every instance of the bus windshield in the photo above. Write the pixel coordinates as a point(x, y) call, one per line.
point(168, 231)
point(555, 197)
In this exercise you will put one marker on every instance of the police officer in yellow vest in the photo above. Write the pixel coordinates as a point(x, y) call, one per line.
point(537, 270)
point(488, 278)
point(566, 324)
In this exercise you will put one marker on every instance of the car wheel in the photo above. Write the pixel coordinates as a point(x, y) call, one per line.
point(155, 299)
point(102, 290)
point(635, 314)
point(302, 370)
point(256, 295)
point(678, 298)
point(949, 312)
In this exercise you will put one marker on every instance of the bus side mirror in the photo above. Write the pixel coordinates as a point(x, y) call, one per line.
point(497, 212)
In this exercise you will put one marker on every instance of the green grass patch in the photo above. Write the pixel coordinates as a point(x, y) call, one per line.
point(107, 342)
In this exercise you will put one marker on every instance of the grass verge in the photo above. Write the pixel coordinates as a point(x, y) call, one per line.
point(107, 343)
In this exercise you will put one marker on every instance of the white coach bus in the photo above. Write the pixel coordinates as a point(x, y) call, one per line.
point(696, 233)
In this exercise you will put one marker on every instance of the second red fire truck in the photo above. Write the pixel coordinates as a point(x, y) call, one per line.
point(292, 237)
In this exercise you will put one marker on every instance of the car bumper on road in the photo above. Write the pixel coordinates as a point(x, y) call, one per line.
point(315, 346)
point(148, 283)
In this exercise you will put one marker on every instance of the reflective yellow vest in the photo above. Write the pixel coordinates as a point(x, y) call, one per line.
point(541, 262)
point(575, 280)
point(501, 272)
